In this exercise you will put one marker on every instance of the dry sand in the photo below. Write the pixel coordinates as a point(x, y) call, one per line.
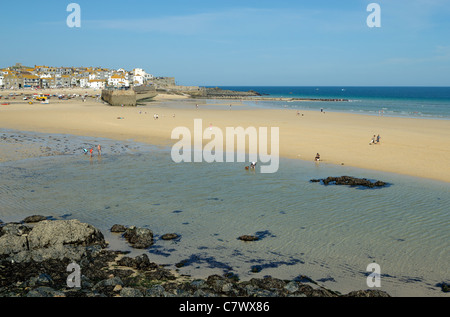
point(416, 147)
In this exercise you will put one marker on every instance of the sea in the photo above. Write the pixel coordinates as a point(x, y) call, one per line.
point(329, 233)
point(413, 102)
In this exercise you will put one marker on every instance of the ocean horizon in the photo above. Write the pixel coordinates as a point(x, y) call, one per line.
point(397, 101)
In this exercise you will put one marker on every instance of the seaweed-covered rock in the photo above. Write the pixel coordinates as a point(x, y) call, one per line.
point(118, 228)
point(169, 236)
point(368, 293)
point(139, 238)
point(248, 238)
point(41, 270)
point(141, 262)
point(34, 219)
point(350, 181)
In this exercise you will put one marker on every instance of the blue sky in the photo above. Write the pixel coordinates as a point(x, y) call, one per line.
point(267, 43)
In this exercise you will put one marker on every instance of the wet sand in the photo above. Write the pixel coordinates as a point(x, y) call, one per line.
point(416, 147)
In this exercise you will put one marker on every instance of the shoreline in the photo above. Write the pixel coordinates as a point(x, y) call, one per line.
point(409, 146)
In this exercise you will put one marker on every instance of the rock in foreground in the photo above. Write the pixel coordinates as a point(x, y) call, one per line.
point(34, 262)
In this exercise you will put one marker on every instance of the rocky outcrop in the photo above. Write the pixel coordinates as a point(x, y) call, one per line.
point(113, 274)
point(221, 93)
point(350, 181)
point(48, 240)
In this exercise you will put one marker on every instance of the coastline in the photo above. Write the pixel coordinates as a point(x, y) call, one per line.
point(414, 147)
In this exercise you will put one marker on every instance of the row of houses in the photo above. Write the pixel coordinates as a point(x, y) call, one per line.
point(19, 76)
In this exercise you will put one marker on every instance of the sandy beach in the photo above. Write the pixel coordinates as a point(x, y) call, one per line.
point(415, 147)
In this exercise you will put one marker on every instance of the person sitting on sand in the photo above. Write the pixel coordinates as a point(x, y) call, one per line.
point(374, 140)
point(317, 157)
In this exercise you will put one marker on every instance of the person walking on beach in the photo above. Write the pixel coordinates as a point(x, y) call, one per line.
point(99, 150)
point(90, 151)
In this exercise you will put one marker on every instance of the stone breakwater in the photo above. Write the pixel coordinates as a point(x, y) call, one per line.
point(118, 98)
point(36, 252)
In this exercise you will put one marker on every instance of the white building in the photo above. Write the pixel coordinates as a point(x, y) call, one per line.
point(97, 84)
point(140, 77)
point(84, 82)
point(118, 81)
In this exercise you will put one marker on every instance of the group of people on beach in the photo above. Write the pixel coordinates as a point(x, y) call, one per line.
point(375, 139)
point(91, 151)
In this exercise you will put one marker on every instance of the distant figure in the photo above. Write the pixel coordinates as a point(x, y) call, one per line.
point(99, 150)
point(378, 138)
point(321, 109)
point(374, 140)
point(317, 157)
point(196, 106)
point(90, 151)
point(85, 151)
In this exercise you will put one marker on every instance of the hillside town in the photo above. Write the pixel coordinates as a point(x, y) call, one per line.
point(43, 77)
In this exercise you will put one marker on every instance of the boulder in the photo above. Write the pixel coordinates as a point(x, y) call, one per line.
point(118, 228)
point(48, 240)
point(47, 234)
point(130, 292)
point(169, 236)
point(141, 262)
point(34, 219)
point(139, 238)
